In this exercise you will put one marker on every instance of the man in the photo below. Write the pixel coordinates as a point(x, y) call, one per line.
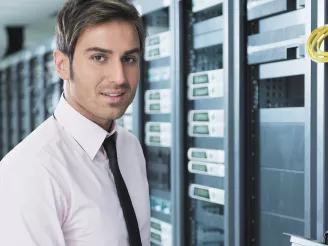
point(65, 185)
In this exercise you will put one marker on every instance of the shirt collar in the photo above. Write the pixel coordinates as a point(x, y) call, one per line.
point(88, 134)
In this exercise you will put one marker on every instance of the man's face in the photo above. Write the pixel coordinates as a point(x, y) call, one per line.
point(105, 71)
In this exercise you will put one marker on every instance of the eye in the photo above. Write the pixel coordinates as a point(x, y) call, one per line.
point(129, 59)
point(99, 58)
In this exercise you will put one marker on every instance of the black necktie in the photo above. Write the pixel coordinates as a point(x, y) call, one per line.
point(122, 192)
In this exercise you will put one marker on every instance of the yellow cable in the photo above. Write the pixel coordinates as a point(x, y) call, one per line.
point(314, 43)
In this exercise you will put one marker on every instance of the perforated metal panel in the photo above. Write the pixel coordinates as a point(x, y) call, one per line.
point(282, 92)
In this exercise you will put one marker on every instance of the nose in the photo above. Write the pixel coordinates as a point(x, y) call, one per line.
point(117, 73)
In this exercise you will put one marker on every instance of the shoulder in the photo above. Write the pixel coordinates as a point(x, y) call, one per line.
point(32, 164)
point(34, 149)
point(30, 176)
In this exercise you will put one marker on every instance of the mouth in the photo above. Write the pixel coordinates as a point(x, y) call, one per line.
point(114, 97)
point(113, 94)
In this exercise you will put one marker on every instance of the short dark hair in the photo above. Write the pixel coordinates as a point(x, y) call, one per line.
point(77, 15)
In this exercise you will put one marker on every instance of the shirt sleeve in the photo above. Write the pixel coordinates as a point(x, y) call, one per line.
point(31, 206)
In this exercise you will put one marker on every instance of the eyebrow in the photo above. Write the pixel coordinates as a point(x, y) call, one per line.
point(97, 49)
point(135, 50)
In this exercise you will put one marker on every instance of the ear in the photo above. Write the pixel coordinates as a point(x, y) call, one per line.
point(62, 64)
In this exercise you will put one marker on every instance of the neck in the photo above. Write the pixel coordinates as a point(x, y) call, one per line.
point(106, 125)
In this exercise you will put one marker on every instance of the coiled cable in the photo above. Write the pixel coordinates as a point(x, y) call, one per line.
point(314, 43)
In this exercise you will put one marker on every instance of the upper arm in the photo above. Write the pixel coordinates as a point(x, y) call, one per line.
point(31, 206)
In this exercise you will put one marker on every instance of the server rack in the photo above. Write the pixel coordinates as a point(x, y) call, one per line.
point(26, 109)
point(281, 138)
point(213, 84)
point(13, 105)
point(36, 90)
point(4, 107)
point(205, 169)
point(21, 81)
point(157, 124)
point(11, 87)
point(208, 35)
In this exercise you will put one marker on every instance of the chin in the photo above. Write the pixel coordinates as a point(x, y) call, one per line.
point(116, 115)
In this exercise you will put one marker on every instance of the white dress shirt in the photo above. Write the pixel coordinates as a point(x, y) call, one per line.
point(56, 188)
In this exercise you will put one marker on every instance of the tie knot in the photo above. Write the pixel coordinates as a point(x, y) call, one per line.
point(109, 139)
point(110, 144)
